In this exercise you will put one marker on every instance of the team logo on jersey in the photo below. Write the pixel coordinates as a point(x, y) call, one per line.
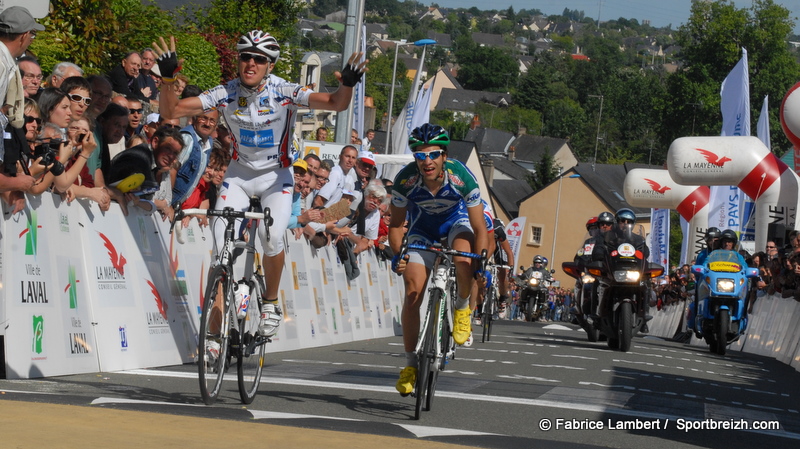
point(242, 102)
point(263, 102)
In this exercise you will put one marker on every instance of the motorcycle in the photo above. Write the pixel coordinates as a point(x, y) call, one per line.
point(533, 286)
point(585, 300)
point(723, 285)
point(623, 274)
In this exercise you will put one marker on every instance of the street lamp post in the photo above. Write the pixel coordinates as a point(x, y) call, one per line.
point(420, 43)
point(597, 134)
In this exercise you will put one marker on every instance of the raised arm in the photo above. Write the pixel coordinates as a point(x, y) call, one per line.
point(170, 106)
point(348, 78)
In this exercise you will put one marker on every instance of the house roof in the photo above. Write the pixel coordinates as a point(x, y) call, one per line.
point(489, 40)
point(508, 193)
point(442, 39)
point(509, 168)
point(488, 140)
point(531, 148)
point(606, 182)
point(465, 100)
point(460, 150)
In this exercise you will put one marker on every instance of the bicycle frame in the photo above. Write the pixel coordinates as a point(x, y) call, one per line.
point(237, 334)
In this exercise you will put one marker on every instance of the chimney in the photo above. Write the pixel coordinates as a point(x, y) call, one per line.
point(476, 122)
point(487, 165)
point(512, 153)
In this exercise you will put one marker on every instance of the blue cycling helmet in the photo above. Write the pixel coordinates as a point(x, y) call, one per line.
point(428, 134)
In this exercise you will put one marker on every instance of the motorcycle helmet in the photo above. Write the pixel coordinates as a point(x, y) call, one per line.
point(259, 42)
point(729, 235)
point(538, 259)
point(428, 134)
point(605, 218)
point(625, 214)
point(591, 224)
point(544, 261)
point(712, 234)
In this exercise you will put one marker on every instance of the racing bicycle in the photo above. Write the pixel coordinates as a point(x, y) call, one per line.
point(223, 335)
point(435, 345)
point(490, 306)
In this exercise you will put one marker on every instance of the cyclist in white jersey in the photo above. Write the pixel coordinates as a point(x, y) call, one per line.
point(260, 110)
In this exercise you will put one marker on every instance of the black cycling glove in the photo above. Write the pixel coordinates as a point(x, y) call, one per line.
point(168, 66)
point(350, 77)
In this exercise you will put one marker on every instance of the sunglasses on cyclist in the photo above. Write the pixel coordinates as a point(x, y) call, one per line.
point(80, 98)
point(135, 111)
point(422, 155)
point(259, 59)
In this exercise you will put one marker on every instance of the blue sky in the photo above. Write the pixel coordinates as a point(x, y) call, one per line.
point(659, 12)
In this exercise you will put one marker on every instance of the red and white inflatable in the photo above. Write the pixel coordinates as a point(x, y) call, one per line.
point(790, 120)
point(742, 161)
point(655, 188)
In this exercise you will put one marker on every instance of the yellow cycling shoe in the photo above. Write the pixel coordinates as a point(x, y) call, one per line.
point(408, 377)
point(462, 325)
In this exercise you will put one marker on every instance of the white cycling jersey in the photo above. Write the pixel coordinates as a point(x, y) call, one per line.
point(261, 121)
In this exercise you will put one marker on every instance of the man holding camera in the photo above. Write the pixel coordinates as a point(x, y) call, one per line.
point(17, 31)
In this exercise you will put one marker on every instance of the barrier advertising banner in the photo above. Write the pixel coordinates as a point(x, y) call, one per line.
point(86, 291)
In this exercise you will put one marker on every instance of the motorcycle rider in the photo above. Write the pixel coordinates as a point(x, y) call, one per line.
point(624, 219)
point(531, 294)
point(712, 240)
point(595, 227)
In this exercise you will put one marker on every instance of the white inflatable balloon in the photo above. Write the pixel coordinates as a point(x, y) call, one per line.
point(742, 161)
point(655, 188)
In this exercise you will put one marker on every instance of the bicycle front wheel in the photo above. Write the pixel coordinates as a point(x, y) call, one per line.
point(250, 362)
point(214, 336)
point(427, 355)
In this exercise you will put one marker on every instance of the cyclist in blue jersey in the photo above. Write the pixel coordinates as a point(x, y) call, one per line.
point(442, 199)
point(260, 110)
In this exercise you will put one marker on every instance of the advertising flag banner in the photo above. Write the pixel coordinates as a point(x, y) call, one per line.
point(659, 237)
point(514, 231)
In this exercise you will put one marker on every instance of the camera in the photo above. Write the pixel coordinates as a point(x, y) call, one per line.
point(48, 151)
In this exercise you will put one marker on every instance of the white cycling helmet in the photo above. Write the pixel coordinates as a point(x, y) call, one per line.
point(257, 41)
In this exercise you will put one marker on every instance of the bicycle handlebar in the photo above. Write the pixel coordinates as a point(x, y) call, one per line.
point(440, 249)
point(227, 213)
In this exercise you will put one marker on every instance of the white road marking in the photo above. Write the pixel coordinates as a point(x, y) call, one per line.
point(559, 367)
point(330, 386)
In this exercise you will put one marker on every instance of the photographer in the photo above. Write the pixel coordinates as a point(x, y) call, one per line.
point(77, 180)
point(48, 158)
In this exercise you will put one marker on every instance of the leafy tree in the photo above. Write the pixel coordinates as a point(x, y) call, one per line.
point(485, 68)
point(83, 32)
point(564, 118)
point(546, 171)
point(201, 63)
point(235, 17)
point(379, 81)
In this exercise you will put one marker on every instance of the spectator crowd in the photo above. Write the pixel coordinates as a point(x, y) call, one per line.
point(100, 138)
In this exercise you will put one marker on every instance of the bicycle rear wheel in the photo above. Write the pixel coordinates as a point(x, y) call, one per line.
point(214, 331)
point(250, 356)
point(426, 355)
point(487, 314)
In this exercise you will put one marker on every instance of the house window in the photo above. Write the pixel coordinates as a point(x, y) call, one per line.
point(535, 238)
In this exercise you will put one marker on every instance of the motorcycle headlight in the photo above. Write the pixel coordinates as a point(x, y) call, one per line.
point(725, 285)
point(627, 276)
point(586, 279)
point(533, 282)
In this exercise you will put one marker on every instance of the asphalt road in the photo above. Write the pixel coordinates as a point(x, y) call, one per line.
point(532, 385)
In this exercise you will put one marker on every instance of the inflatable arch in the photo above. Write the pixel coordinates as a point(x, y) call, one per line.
point(742, 161)
point(655, 188)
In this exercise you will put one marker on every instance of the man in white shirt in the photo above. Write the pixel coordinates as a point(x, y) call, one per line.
point(331, 193)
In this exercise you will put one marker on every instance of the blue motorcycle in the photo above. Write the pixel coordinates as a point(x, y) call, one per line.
point(722, 288)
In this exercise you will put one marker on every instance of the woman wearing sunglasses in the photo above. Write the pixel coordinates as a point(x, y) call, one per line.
point(260, 109)
point(78, 91)
point(442, 199)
